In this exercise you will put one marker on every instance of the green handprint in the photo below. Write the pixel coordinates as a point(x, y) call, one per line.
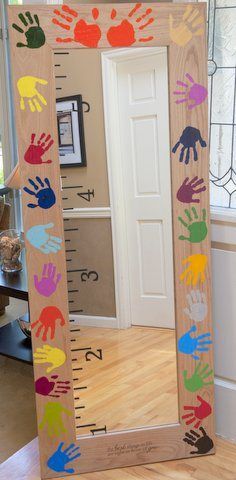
point(34, 34)
point(196, 381)
point(197, 229)
point(52, 418)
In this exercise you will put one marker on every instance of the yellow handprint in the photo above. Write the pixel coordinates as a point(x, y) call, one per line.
point(188, 28)
point(52, 355)
point(27, 89)
point(195, 271)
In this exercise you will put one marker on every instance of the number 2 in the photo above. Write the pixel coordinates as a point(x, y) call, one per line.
point(97, 355)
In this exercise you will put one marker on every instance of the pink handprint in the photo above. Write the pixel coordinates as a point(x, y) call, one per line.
point(49, 281)
point(55, 388)
point(47, 322)
point(189, 188)
point(194, 94)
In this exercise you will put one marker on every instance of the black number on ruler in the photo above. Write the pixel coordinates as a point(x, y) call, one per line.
point(97, 355)
point(96, 430)
point(87, 195)
point(86, 276)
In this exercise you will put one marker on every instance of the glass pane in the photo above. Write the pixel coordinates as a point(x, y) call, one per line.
point(225, 37)
point(223, 96)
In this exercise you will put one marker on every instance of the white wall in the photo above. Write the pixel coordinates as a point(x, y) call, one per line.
point(224, 317)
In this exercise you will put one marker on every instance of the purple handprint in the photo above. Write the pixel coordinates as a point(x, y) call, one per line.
point(188, 189)
point(43, 386)
point(194, 94)
point(48, 283)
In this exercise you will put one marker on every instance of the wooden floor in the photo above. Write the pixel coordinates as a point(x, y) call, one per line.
point(24, 465)
point(135, 383)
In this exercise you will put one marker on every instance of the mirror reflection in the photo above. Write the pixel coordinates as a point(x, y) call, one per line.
point(118, 231)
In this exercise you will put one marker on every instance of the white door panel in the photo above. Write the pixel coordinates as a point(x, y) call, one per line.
point(144, 127)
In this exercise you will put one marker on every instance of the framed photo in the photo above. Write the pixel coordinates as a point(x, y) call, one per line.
point(71, 131)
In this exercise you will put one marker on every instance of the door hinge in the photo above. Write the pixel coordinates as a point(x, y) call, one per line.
point(3, 33)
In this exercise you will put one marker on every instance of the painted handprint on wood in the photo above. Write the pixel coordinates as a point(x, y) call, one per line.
point(30, 27)
point(87, 34)
point(191, 345)
point(47, 284)
point(42, 240)
point(193, 94)
point(190, 26)
point(35, 151)
point(55, 357)
point(197, 306)
point(58, 461)
point(196, 227)
point(203, 443)
point(189, 139)
point(197, 413)
point(195, 271)
point(27, 88)
point(128, 31)
point(201, 377)
point(47, 322)
point(189, 188)
point(51, 388)
point(53, 420)
point(44, 195)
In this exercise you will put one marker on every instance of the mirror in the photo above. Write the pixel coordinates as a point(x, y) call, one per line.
point(119, 205)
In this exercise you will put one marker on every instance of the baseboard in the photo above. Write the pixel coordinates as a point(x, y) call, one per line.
point(94, 321)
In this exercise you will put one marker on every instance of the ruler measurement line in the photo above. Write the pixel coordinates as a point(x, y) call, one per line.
point(72, 291)
point(76, 311)
point(76, 369)
point(80, 388)
point(72, 186)
point(82, 406)
point(88, 425)
point(80, 349)
point(71, 229)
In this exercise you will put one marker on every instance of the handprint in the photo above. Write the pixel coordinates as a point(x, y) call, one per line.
point(48, 283)
point(194, 94)
point(45, 195)
point(124, 34)
point(191, 345)
point(197, 413)
point(39, 238)
point(195, 272)
point(196, 381)
point(188, 189)
point(58, 461)
point(188, 139)
point(52, 418)
point(55, 388)
point(47, 322)
point(197, 310)
point(34, 34)
point(202, 443)
point(34, 152)
point(189, 27)
point(84, 33)
point(47, 354)
point(27, 89)
point(197, 229)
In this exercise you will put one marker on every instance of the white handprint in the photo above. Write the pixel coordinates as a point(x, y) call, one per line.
point(197, 310)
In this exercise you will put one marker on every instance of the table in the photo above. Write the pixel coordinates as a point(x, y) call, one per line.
point(13, 343)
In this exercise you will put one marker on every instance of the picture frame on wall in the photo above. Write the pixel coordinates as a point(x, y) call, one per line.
point(70, 125)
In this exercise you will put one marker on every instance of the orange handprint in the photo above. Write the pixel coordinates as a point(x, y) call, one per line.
point(124, 34)
point(47, 322)
point(83, 32)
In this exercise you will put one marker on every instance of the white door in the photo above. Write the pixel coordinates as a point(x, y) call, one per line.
point(145, 162)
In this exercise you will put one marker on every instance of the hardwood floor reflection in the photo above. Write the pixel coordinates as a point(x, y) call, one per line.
point(135, 383)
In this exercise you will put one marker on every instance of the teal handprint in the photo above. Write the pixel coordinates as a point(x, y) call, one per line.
point(197, 380)
point(197, 228)
point(39, 238)
point(52, 418)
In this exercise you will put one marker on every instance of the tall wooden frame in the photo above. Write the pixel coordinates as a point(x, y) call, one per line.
point(35, 31)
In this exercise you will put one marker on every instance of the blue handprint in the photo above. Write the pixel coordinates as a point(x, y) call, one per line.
point(190, 345)
point(45, 195)
point(59, 459)
point(39, 238)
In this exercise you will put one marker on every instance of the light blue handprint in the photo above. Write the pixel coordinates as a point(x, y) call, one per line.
point(39, 238)
point(191, 345)
point(59, 459)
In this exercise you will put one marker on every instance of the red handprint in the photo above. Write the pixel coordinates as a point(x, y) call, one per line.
point(123, 34)
point(198, 413)
point(47, 321)
point(84, 33)
point(34, 152)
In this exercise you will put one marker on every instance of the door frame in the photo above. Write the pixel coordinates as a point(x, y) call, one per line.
point(110, 60)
